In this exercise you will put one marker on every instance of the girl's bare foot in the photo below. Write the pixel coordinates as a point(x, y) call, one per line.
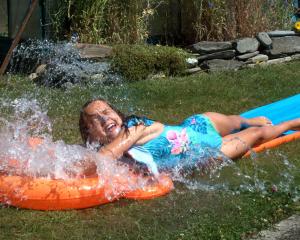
point(259, 121)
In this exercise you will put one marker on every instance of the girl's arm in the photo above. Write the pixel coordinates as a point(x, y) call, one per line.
point(124, 141)
point(137, 135)
point(150, 132)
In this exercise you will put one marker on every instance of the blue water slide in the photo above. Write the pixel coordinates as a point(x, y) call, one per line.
point(280, 111)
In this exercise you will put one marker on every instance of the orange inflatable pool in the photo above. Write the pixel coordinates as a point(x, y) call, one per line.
point(51, 194)
point(56, 194)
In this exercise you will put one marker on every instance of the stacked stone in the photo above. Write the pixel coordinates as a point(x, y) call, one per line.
point(264, 49)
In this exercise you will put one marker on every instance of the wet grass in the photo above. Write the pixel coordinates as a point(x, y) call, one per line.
point(184, 213)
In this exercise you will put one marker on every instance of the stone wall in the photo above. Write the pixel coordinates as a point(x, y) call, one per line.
point(265, 49)
point(62, 63)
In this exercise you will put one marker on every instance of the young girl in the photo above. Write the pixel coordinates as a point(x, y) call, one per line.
point(148, 141)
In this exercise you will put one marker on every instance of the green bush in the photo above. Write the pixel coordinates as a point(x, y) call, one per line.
point(137, 62)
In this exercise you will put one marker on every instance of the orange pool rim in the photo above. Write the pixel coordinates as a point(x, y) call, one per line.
point(78, 193)
point(55, 194)
point(274, 143)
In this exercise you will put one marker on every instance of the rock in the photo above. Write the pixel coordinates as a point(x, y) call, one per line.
point(93, 51)
point(269, 62)
point(195, 55)
point(193, 70)
point(264, 39)
point(228, 54)
point(33, 76)
point(207, 47)
point(56, 75)
point(283, 46)
point(99, 77)
point(246, 45)
point(278, 60)
point(192, 62)
point(259, 58)
point(295, 57)
point(251, 65)
point(67, 85)
point(158, 75)
point(281, 33)
point(288, 229)
point(247, 56)
point(40, 69)
point(221, 65)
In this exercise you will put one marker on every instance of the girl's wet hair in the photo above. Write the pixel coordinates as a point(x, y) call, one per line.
point(83, 128)
point(135, 166)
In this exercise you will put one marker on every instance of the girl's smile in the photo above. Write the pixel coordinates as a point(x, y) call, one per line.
point(104, 123)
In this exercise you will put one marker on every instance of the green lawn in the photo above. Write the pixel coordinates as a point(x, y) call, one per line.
point(184, 213)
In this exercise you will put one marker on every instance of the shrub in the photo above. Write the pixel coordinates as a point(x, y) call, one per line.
point(137, 62)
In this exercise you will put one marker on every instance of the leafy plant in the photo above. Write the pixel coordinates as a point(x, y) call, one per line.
point(136, 62)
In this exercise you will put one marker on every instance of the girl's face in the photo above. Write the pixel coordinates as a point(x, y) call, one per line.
point(103, 122)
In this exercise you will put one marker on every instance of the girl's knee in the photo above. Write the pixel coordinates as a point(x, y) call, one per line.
point(258, 132)
point(236, 121)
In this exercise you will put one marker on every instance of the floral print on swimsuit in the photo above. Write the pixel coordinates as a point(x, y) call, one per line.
point(179, 141)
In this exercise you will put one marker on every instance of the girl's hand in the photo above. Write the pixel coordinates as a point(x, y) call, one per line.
point(123, 142)
point(136, 135)
point(149, 133)
point(138, 132)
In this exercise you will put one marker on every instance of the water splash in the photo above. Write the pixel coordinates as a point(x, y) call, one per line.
point(59, 65)
point(219, 173)
point(24, 119)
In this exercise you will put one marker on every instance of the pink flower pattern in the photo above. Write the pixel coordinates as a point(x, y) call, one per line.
point(178, 140)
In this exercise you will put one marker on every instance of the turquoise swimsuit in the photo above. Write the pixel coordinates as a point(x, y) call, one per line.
point(194, 140)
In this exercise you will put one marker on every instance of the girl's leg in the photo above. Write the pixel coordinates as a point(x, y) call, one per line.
point(228, 124)
point(237, 144)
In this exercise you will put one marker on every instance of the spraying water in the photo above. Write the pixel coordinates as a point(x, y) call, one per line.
point(59, 65)
point(26, 121)
point(217, 172)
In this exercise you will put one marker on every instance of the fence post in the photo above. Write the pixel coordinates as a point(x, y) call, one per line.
point(18, 37)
